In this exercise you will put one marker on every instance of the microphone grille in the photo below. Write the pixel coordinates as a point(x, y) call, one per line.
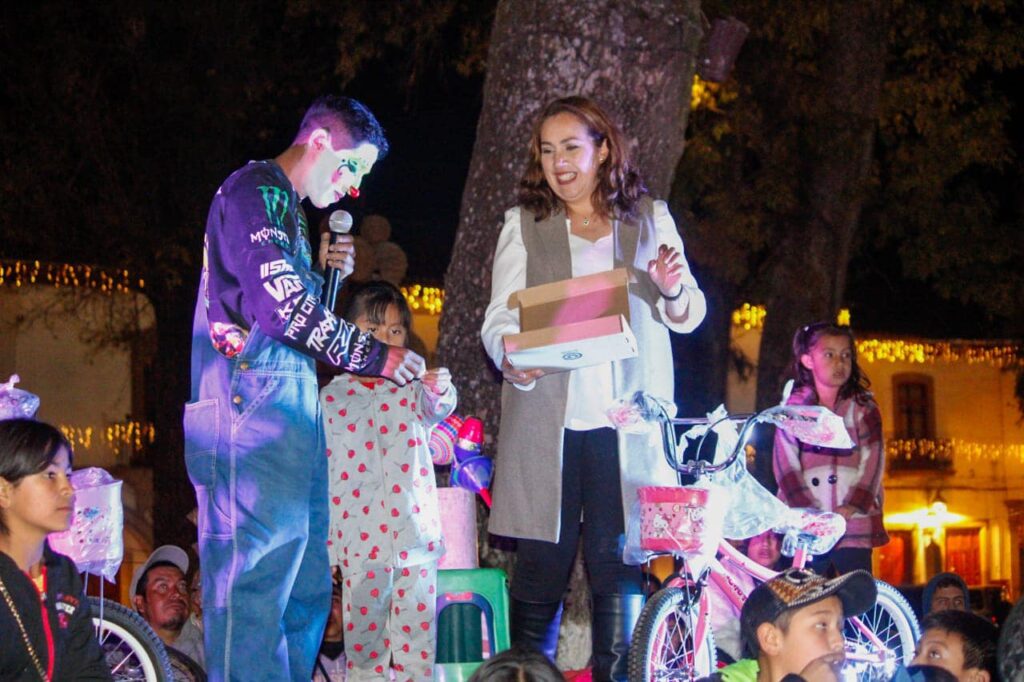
point(340, 221)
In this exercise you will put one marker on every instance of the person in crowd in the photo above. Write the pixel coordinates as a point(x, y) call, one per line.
point(945, 591)
point(793, 627)
point(254, 445)
point(44, 615)
point(766, 550)
point(961, 642)
point(583, 209)
point(763, 549)
point(330, 663)
point(847, 482)
point(161, 596)
point(385, 525)
point(517, 664)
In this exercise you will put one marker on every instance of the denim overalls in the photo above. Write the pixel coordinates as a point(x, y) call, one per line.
point(254, 443)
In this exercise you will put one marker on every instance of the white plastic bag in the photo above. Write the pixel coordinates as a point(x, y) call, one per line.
point(95, 540)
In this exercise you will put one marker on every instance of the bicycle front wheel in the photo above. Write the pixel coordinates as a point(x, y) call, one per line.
point(130, 647)
point(892, 621)
point(663, 646)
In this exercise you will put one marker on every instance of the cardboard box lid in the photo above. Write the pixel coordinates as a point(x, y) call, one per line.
point(578, 299)
point(574, 345)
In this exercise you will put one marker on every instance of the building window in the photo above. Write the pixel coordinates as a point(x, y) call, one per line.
point(896, 559)
point(963, 553)
point(914, 404)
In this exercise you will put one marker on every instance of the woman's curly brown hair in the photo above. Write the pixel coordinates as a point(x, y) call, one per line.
point(619, 185)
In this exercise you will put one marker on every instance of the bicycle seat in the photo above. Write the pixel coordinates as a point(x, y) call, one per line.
point(816, 531)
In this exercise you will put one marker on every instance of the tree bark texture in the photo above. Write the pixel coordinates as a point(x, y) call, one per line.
point(637, 60)
point(807, 282)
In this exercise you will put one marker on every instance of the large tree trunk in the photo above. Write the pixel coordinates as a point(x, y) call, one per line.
point(637, 60)
point(808, 280)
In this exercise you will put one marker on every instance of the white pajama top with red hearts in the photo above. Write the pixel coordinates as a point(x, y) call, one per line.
point(383, 497)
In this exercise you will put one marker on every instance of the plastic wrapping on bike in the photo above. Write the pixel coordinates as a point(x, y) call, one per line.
point(95, 540)
point(759, 511)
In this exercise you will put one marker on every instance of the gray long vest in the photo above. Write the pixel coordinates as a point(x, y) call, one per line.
point(528, 470)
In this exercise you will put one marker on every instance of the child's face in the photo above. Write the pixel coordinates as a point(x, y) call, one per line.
point(391, 331)
point(945, 649)
point(814, 631)
point(41, 503)
point(764, 549)
point(830, 361)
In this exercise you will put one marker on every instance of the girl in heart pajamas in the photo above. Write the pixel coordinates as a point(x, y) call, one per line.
point(385, 529)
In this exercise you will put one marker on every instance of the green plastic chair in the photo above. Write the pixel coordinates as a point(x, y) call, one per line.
point(465, 594)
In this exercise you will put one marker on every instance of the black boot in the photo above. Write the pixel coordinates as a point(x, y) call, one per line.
point(614, 617)
point(535, 625)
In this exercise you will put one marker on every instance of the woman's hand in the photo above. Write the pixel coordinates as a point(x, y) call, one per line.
point(666, 271)
point(341, 256)
point(437, 381)
point(520, 377)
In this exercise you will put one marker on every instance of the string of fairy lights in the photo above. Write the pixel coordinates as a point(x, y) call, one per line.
point(120, 438)
point(948, 449)
point(999, 354)
point(18, 273)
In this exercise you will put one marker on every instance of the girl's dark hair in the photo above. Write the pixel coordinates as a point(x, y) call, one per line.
point(373, 299)
point(27, 447)
point(807, 337)
point(619, 185)
point(517, 664)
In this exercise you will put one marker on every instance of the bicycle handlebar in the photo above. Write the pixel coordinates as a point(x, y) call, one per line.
point(700, 467)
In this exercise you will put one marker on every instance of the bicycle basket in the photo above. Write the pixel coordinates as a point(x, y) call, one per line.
point(672, 519)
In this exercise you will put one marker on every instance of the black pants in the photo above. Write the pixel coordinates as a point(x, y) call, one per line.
point(844, 560)
point(591, 490)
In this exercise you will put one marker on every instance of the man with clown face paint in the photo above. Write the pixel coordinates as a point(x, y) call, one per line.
point(254, 444)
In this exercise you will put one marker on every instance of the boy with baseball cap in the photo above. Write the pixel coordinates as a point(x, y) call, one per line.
point(792, 626)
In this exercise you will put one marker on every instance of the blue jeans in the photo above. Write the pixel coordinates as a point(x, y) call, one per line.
point(254, 449)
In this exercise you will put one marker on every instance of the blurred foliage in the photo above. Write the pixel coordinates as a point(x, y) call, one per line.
point(945, 177)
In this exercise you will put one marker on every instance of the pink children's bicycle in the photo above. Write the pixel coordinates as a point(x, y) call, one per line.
point(673, 638)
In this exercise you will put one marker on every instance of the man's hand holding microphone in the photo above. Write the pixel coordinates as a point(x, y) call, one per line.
point(337, 258)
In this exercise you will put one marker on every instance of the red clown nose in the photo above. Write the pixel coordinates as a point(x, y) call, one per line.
point(353, 192)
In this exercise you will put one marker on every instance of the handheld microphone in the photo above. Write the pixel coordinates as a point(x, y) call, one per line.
point(339, 223)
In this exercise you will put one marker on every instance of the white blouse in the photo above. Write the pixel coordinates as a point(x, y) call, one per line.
point(590, 388)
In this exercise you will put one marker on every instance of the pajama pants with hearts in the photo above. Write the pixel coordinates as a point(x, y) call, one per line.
point(389, 616)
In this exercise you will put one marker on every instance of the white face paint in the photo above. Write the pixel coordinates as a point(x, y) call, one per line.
point(337, 171)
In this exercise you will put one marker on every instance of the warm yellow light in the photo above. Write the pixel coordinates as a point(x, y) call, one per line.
point(129, 434)
point(425, 299)
point(749, 316)
point(57, 275)
point(926, 518)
